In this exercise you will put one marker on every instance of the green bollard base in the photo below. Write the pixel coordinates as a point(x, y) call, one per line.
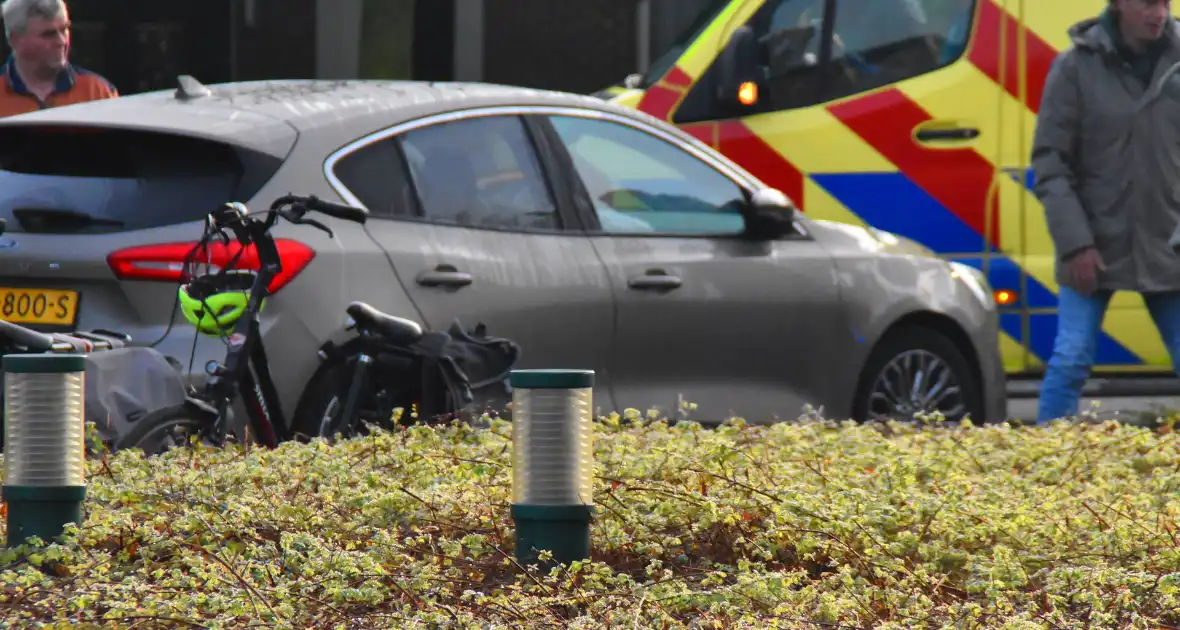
point(41, 512)
point(564, 530)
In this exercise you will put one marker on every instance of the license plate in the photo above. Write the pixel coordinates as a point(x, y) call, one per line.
point(39, 306)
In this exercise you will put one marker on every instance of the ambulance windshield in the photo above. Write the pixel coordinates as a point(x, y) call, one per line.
point(661, 65)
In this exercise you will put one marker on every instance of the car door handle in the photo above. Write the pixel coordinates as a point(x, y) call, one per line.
point(955, 133)
point(655, 279)
point(444, 276)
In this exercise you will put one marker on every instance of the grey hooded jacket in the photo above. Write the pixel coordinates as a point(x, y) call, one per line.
point(1106, 156)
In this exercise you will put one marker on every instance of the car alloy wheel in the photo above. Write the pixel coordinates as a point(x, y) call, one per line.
point(916, 382)
point(918, 370)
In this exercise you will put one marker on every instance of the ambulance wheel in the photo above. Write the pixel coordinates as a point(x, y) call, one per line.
point(918, 371)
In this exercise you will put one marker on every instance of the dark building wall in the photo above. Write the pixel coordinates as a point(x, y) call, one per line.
point(573, 45)
point(142, 45)
point(669, 18)
point(280, 45)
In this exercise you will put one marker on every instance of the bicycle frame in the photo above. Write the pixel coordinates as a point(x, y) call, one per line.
point(368, 349)
point(246, 366)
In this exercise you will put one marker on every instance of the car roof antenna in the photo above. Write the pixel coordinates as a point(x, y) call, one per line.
point(189, 88)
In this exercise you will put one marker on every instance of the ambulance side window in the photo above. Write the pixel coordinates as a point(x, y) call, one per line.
point(810, 56)
point(791, 47)
point(882, 42)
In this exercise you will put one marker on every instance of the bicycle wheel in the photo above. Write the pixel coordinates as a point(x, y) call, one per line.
point(321, 407)
point(161, 430)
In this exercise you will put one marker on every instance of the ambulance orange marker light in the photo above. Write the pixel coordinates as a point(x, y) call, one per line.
point(748, 93)
point(1004, 297)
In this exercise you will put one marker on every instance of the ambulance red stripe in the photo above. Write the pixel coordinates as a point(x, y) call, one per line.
point(659, 101)
point(997, 27)
point(747, 148)
point(678, 77)
point(704, 132)
point(958, 178)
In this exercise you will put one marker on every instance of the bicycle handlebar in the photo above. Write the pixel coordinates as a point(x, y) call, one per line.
point(300, 205)
point(247, 230)
point(337, 210)
point(235, 216)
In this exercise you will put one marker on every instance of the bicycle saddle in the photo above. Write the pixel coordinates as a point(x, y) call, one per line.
point(396, 330)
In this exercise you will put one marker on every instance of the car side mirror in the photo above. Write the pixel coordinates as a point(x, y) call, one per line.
point(739, 83)
point(772, 215)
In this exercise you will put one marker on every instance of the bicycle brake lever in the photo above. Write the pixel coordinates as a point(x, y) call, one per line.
point(316, 224)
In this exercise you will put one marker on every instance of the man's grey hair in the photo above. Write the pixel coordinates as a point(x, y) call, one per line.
point(18, 13)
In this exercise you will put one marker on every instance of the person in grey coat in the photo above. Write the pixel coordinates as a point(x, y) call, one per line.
point(1106, 159)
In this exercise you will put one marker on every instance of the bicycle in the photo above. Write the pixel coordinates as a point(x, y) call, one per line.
point(229, 301)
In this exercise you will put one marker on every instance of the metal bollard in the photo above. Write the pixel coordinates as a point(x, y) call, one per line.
point(552, 463)
point(44, 444)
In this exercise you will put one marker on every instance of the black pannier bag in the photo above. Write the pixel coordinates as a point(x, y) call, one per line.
point(464, 374)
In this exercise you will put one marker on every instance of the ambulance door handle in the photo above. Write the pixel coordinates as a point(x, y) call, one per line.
point(957, 133)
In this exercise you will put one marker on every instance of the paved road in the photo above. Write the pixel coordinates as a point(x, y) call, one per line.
point(1026, 408)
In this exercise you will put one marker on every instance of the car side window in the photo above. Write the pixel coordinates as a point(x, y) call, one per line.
point(480, 172)
point(641, 184)
point(376, 175)
point(873, 43)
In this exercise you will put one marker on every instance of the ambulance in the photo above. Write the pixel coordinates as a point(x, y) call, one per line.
point(913, 116)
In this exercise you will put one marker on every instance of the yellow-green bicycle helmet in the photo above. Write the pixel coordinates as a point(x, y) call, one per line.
point(213, 303)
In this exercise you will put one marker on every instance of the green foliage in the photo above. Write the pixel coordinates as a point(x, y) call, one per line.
point(805, 525)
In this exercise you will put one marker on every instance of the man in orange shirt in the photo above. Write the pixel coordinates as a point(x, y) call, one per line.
point(38, 74)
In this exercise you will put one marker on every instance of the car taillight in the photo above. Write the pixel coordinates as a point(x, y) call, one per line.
point(164, 262)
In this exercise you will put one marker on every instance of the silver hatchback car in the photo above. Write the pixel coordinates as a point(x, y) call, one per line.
point(595, 236)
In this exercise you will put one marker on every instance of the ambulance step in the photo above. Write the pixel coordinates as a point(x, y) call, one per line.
point(1104, 387)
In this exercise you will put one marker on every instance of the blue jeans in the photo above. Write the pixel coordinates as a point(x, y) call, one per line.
point(1079, 323)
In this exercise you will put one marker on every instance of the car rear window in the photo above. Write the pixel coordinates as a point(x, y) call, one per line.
point(81, 180)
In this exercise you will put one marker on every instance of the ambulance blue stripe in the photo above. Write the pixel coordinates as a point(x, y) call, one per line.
point(892, 202)
point(1012, 325)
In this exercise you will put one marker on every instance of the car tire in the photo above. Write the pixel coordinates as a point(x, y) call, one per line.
point(901, 357)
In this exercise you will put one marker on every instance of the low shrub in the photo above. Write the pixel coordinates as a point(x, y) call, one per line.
point(803, 525)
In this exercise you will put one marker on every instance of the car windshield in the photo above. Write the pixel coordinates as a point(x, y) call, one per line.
point(665, 62)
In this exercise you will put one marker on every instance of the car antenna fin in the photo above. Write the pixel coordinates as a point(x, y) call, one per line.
point(189, 88)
